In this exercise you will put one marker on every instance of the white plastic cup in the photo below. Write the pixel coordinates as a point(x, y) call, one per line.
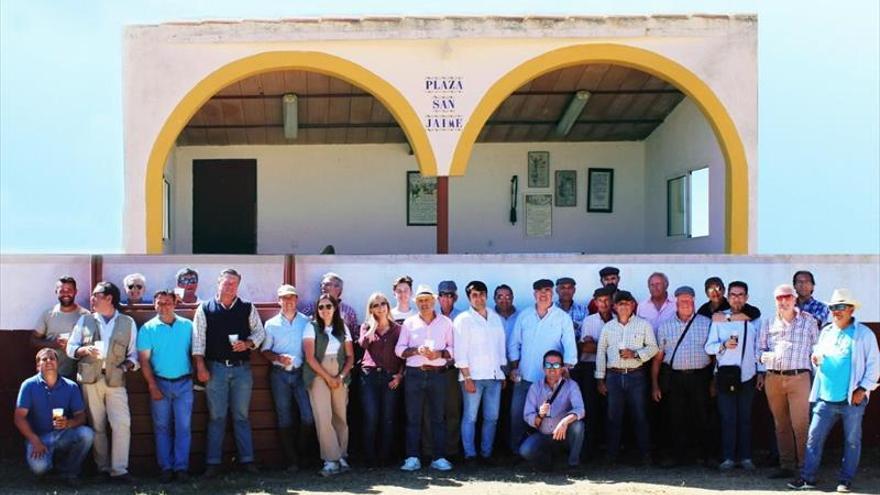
point(57, 412)
point(429, 343)
point(233, 339)
point(102, 348)
point(767, 357)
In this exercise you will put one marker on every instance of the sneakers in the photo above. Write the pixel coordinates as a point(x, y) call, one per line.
point(747, 464)
point(441, 464)
point(411, 464)
point(801, 484)
point(330, 468)
point(343, 465)
point(843, 486)
point(727, 465)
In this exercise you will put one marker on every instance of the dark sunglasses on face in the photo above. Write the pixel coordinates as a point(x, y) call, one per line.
point(325, 306)
point(838, 307)
point(552, 366)
point(378, 304)
point(135, 286)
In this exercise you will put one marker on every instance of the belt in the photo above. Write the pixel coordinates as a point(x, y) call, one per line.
point(375, 369)
point(179, 378)
point(788, 372)
point(429, 368)
point(230, 363)
point(691, 372)
point(625, 371)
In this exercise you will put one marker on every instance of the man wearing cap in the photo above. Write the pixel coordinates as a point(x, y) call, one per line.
point(786, 342)
point(481, 358)
point(426, 343)
point(717, 303)
point(565, 289)
point(847, 364)
point(585, 371)
point(626, 345)
point(538, 329)
point(804, 283)
point(164, 348)
point(447, 296)
point(188, 280)
point(680, 375)
point(658, 307)
point(283, 348)
point(610, 275)
point(55, 325)
point(332, 284)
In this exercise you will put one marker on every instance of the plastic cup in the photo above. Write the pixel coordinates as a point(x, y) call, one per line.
point(768, 357)
point(233, 339)
point(429, 343)
point(102, 348)
point(57, 412)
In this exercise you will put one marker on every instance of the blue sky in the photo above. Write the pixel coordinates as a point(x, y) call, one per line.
point(61, 160)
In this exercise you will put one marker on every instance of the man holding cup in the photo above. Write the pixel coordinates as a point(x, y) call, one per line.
point(51, 416)
point(55, 325)
point(283, 348)
point(786, 342)
point(847, 365)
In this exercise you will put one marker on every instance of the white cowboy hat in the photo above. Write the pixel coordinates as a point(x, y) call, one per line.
point(843, 296)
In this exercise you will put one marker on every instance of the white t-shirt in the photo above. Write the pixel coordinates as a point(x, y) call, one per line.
point(333, 343)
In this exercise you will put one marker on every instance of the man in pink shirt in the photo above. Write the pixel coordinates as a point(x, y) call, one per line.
point(659, 307)
point(426, 344)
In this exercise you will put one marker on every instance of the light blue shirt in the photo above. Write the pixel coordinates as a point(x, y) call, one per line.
point(169, 346)
point(285, 337)
point(744, 355)
point(865, 363)
point(835, 346)
point(533, 336)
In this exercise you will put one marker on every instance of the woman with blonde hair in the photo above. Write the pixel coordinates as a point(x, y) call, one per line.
point(380, 378)
point(329, 353)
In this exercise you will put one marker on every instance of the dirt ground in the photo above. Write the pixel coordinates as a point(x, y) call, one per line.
point(592, 479)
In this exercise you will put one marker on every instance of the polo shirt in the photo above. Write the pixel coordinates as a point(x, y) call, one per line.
point(169, 346)
point(39, 399)
point(285, 336)
point(832, 376)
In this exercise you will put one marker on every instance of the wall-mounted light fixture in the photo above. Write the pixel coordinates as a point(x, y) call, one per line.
point(289, 111)
point(571, 114)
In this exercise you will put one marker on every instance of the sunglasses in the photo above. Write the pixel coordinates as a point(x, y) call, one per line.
point(552, 366)
point(325, 306)
point(784, 297)
point(378, 304)
point(838, 307)
point(135, 286)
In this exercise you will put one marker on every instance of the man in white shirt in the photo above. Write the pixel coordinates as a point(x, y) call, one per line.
point(481, 359)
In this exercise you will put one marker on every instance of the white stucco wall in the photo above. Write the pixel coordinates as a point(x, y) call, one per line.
point(720, 50)
point(27, 286)
point(684, 142)
point(361, 191)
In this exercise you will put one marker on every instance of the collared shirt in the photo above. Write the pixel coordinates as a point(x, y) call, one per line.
point(637, 335)
point(480, 345)
point(39, 399)
point(398, 315)
point(706, 309)
point(54, 323)
point(568, 401)
point(349, 315)
point(380, 352)
point(790, 342)
point(509, 322)
point(835, 347)
point(818, 309)
point(656, 317)
point(200, 325)
point(592, 328)
point(577, 312)
point(865, 372)
point(746, 353)
point(106, 328)
point(285, 336)
point(416, 333)
point(691, 353)
point(452, 314)
point(533, 336)
point(169, 346)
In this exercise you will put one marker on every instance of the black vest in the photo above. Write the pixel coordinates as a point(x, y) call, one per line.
point(221, 323)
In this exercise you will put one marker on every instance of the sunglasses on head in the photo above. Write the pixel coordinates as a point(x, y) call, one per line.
point(838, 307)
point(135, 286)
point(325, 306)
point(552, 366)
point(378, 304)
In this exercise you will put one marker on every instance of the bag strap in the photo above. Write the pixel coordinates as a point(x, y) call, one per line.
point(686, 328)
point(556, 392)
point(745, 342)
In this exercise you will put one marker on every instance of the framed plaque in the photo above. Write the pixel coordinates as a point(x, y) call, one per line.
point(421, 199)
point(539, 169)
point(539, 215)
point(566, 188)
point(600, 190)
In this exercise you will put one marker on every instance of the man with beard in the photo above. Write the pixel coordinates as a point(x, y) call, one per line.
point(54, 326)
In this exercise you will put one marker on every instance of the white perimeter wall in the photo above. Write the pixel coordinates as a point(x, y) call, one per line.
point(684, 142)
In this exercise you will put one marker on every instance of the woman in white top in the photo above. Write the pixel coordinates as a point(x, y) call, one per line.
point(329, 353)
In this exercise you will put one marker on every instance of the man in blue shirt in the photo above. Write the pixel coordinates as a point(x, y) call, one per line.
point(283, 348)
point(804, 283)
point(51, 416)
point(164, 344)
point(847, 363)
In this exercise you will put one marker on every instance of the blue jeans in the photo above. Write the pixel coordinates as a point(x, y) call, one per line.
point(67, 449)
point(420, 386)
point(288, 386)
point(171, 423)
point(585, 376)
point(489, 393)
point(518, 425)
point(627, 391)
point(736, 422)
point(229, 388)
point(539, 446)
point(379, 412)
point(825, 414)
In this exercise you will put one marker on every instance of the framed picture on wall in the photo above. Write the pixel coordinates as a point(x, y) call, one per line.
point(539, 169)
point(566, 188)
point(600, 190)
point(539, 215)
point(421, 199)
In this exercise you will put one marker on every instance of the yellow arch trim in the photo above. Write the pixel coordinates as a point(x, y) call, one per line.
point(322, 63)
point(737, 183)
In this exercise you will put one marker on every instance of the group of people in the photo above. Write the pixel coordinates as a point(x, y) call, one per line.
point(553, 376)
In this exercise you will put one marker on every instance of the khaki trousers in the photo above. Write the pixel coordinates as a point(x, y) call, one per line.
point(789, 401)
point(105, 403)
point(328, 408)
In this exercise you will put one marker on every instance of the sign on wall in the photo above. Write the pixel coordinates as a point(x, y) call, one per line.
point(443, 92)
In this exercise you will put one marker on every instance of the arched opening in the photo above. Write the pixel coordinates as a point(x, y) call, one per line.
point(344, 105)
point(736, 190)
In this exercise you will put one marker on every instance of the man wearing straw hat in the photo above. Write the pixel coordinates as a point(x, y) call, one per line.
point(847, 363)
